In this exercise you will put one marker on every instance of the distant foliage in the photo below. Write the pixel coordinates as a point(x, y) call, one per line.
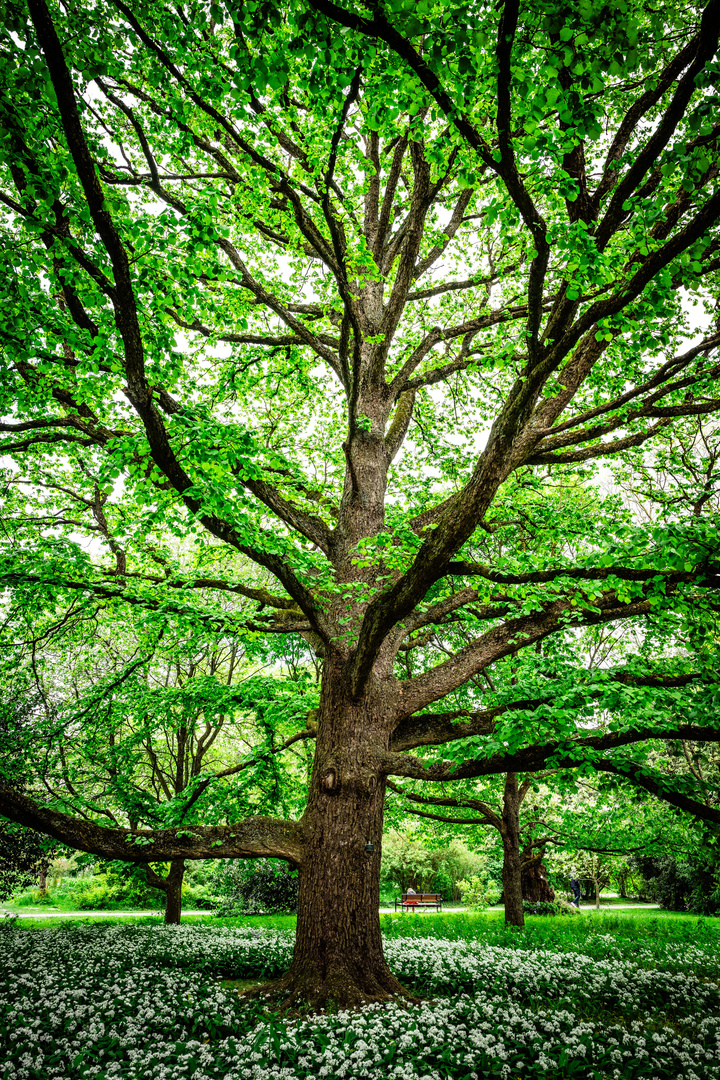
point(100, 885)
point(691, 884)
point(409, 863)
point(24, 856)
point(541, 907)
point(479, 892)
point(545, 907)
point(267, 886)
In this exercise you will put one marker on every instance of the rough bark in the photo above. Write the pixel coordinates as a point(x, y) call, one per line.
point(252, 838)
point(511, 871)
point(171, 887)
point(338, 956)
point(173, 892)
point(535, 885)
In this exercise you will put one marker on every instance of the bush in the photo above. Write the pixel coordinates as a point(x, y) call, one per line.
point(41, 896)
point(95, 894)
point(541, 907)
point(408, 862)
point(478, 893)
point(691, 884)
point(388, 896)
point(200, 884)
point(442, 884)
point(266, 887)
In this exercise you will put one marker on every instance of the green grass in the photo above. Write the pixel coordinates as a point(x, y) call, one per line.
point(267, 922)
point(60, 899)
point(561, 932)
point(489, 925)
point(612, 901)
point(49, 922)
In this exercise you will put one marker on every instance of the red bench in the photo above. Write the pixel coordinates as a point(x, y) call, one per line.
point(413, 901)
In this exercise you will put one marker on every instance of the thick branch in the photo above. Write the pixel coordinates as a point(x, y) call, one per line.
point(581, 573)
point(254, 837)
point(505, 640)
point(635, 776)
point(532, 759)
point(433, 729)
point(282, 622)
point(606, 449)
point(489, 817)
point(263, 596)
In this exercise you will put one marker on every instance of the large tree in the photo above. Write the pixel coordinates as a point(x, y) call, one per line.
point(358, 295)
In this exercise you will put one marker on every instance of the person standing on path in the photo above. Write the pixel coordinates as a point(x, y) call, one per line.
point(575, 886)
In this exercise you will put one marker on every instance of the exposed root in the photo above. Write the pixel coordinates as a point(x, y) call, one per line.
point(308, 990)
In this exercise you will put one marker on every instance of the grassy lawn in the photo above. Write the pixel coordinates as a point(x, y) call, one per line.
point(625, 995)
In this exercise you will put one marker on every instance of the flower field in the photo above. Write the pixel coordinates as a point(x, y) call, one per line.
point(142, 1002)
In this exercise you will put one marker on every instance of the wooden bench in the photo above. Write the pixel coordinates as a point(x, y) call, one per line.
point(413, 901)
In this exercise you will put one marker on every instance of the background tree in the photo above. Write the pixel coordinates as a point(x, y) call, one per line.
point(353, 295)
point(427, 860)
point(25, 855)
point(265, 887)
point(139, 727)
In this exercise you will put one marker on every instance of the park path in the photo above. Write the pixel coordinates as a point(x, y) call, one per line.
point(87, 914)
point(383, 910)
point(583, 907)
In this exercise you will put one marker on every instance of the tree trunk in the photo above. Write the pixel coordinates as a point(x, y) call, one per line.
point(535, 885)
point(171, 886)
point(595, 883)
point(338, 958)
point(511, 872)
point(173, 892)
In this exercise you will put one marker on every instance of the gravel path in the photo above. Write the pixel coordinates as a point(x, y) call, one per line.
point(50, 914)
point(583, 907)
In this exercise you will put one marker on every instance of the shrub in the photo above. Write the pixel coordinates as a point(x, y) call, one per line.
point(388, 895)
point(267, 886)
point(691, 884)
point(408, 862)
point(95, 893)
point(25, 898)
point(442, 884)
point(200, 884)
point(197, 895)
point(541, 907)
point(478, 893)
point(112, 885)
point(41, 896)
